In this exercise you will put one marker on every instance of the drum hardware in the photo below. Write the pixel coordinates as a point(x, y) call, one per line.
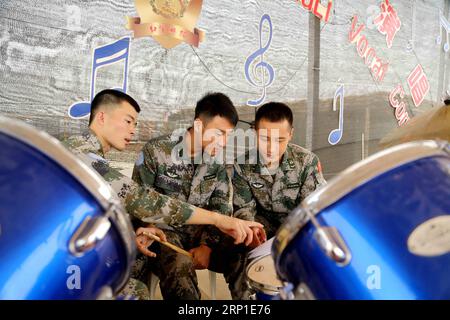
point(301, 292)
point(90, 232)
point(386, 207)
point(330, 241)
point(85, 224)
point(286, 293)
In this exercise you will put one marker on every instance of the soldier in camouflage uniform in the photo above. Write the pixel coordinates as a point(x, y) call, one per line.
point(169, 165)
point(277, 176)
point(88, 147)
point(270, 192)
point(113, 117)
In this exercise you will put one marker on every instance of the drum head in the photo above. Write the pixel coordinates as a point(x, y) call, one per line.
point(261, 275)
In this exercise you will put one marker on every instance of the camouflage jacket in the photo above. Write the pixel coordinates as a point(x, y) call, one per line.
point(161, 166)
point(256, 191)
point(140, 202)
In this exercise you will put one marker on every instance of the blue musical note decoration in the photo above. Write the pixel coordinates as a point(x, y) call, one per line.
point(103, 56)
point(258, 54)
point(444, 25)
point(336, 135)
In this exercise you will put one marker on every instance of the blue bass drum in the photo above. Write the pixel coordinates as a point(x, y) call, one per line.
point(63, 232)
point(379, 230)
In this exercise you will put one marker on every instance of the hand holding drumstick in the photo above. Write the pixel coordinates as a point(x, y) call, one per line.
point(146, 236)
point(143, 240)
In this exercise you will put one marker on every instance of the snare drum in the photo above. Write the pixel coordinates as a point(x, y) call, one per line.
point(262, 278)
point(379, 230)
point(63, 233)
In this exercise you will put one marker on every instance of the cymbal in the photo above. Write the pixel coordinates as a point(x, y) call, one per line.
point(431, 125)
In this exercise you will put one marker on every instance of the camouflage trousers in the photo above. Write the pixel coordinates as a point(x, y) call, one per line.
point(176, 272)
point(136, 288)
point(178, 280)
point(231, 260)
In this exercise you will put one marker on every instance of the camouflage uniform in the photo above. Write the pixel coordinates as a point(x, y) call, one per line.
point(161, 167)
point(136, 199)
point(142, 203)
point(269, 199)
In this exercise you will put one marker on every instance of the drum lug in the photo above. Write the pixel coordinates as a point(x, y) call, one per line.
point(331, 242)
point(91, 231)
point(301, 292)
point(286, 293)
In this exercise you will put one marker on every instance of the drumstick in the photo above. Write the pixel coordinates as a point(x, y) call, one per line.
point(168, 244)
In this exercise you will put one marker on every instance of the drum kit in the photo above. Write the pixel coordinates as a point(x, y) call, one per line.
point(63, 232)
point(378, 230)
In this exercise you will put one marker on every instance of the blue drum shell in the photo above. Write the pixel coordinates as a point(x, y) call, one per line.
point(375, 221)
point(41, 206)
point(266, 297)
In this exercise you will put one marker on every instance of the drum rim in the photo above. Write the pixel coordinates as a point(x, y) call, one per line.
point(82, 173)
point(265, 288)
point(351, 178)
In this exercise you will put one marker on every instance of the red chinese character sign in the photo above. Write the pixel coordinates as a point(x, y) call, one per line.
point(399, 106)
point(388, 22)
point(316, 8)
point(377, 67)
point(418, 84)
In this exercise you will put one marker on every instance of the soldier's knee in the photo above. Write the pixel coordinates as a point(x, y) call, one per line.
point(178, 265)
point(184, 265)
point(135, 289)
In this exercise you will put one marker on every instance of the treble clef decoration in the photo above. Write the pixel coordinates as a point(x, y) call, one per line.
point(251, 68)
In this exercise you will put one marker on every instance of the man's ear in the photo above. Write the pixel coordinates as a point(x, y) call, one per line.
point(198, 125)
point(101, 117)
point(198, 134)
point(292, 133)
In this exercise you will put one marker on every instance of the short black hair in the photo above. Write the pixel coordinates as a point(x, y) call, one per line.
point(111, 97)
point(216, 104)
point(274, 112)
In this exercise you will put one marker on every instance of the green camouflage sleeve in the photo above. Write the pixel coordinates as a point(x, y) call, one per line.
point(149, 205)
point(221, 201)
point(142, 203)
point(243, 201)
point(311, 177)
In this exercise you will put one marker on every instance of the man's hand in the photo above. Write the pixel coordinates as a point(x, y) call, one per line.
point(143, 241)
point(239, 229)
point(200, 256)
point(259, 237)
